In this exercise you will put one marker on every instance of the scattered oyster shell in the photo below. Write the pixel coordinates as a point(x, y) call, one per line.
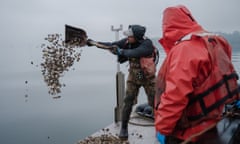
point(107, 138)
point(57, 57)
point(103, 139)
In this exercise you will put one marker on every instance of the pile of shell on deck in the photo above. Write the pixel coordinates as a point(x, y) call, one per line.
point(57, 57)
point(103, 139)
point(106, 138)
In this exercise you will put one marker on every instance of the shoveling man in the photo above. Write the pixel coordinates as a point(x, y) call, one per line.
point(139, 51)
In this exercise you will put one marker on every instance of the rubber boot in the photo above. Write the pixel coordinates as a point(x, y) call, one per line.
point(127, 109)
point(123, 135)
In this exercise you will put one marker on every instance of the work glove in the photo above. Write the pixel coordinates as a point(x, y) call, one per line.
point(161, 138)
point(237, 104)
point(148, 112)
point(91, 42)
point(140, 108)
point(116, 50)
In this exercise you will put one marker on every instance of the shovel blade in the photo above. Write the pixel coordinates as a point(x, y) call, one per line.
point(75, 36)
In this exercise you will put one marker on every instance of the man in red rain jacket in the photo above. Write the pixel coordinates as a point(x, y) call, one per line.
point(195, 81)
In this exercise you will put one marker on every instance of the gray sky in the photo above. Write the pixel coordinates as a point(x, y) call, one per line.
point(25, 23)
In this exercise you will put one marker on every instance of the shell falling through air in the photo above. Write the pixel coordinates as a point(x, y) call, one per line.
point(58, 57)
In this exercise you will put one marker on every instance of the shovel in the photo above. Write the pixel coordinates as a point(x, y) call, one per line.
point(78, 37)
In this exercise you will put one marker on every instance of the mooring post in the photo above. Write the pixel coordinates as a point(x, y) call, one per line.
point(120, 83)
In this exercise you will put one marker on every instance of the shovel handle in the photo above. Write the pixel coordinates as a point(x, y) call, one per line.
point(101, 45)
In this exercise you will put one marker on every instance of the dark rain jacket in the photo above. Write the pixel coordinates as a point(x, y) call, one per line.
point(142, 48)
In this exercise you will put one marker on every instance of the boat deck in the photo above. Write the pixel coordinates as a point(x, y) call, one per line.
point(140, 130)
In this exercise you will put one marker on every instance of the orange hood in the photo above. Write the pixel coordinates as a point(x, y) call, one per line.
point(177, 22)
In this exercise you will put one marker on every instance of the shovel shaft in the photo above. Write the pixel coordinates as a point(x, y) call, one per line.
point(101, 45)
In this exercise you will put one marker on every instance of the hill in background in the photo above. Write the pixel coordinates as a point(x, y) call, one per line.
point(233, 39)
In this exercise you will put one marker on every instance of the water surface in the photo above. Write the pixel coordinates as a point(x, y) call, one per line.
point(28, 115)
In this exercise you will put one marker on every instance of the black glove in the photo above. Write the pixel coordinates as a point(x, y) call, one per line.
point(116, 50)
point(90, 42)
